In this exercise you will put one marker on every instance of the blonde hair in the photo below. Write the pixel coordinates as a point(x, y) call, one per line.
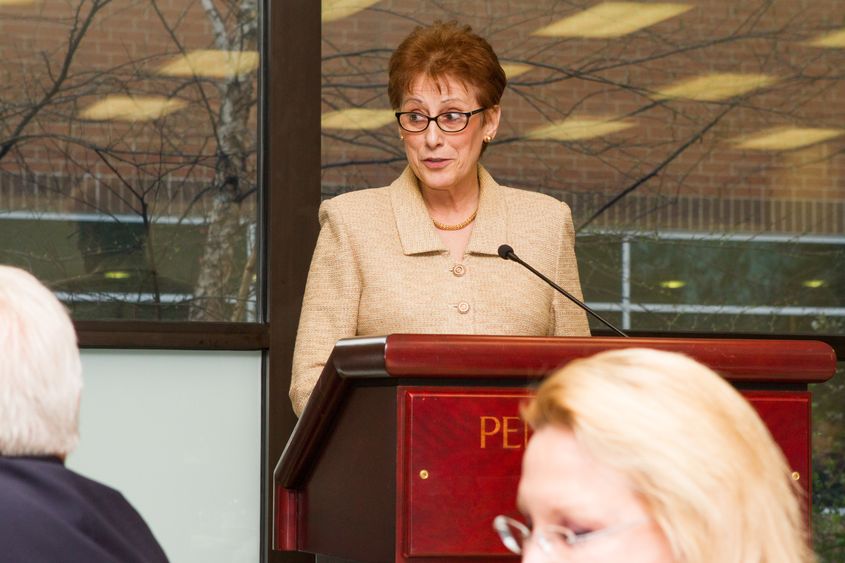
point(692, 448)
point(40, 370)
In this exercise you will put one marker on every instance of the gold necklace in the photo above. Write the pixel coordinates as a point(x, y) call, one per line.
point(456, 227)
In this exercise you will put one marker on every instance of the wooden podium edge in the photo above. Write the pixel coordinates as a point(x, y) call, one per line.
point(409, 355)
point(352, 357)
point(469, 357)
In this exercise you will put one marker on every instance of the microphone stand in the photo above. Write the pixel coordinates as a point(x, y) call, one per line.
point(506, 252)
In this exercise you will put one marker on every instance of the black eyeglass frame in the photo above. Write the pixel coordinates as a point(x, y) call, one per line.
point(467, 114)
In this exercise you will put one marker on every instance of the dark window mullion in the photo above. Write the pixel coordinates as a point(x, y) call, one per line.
point(172, 335)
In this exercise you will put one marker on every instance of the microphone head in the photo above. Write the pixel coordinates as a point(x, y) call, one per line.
point(505, 251)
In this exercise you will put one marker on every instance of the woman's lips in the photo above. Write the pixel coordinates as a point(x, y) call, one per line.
point(436, 162)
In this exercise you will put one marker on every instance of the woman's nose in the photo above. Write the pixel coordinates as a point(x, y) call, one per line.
point(433, 135)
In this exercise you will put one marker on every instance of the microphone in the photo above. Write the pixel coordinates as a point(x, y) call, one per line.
point(506, 252)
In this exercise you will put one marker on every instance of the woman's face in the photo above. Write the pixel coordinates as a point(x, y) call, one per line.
point(562, 485)
point(446, 161)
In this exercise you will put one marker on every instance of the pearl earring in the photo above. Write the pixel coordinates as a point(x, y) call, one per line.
point(487, 138)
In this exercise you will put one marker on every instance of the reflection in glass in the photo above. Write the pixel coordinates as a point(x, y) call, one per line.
point(700, 145)
point(702, 162)
point(128, 155)
point(828, 464)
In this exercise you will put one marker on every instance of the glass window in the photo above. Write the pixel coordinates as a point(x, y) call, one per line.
point(699, 145)
point(601, 275)
point(776, 274)
point(179, 434)
point(128, 161)
point(708, 136)
point(828, 462)
point(733, 283)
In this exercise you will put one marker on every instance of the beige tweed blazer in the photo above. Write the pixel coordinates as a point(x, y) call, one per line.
point(380, 268)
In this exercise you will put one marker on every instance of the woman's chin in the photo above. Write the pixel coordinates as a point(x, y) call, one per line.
point(438, 178)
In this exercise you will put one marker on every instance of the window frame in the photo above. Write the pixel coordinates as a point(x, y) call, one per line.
point(289, 177)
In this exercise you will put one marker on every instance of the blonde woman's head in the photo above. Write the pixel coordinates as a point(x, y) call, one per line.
point(705, 480)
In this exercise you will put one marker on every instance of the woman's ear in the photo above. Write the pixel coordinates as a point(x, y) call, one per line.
point(491, 121)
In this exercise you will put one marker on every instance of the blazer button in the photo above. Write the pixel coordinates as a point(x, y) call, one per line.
point(459, 270)
point(463, 307)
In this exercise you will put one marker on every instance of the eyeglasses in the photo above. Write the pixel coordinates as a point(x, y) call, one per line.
point(449, 122)
point(553, 541)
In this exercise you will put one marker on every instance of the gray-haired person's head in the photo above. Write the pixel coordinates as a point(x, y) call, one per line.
point(40, 370)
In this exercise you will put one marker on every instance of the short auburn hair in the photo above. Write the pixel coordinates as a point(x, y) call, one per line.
point(446, 50)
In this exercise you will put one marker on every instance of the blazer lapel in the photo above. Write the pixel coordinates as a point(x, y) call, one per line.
point(416, 232)
point(491, 225)
point(418, 235)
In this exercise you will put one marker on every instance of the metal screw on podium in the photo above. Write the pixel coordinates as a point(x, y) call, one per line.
point(424, 474)
point(796, 476)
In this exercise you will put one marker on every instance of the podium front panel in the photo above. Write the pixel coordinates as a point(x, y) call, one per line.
point(463, 453)
point(787, 415)
point(463, 459)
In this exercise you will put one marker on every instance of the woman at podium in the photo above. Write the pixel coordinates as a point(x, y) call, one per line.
point(421, 255)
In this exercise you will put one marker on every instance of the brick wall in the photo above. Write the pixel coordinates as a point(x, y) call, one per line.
point(64, 162)
point(710, 184)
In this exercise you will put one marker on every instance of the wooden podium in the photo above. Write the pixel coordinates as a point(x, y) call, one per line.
point(411, 444)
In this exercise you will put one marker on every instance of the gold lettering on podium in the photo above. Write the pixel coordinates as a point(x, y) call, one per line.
point(506, 432)
point(486, 431)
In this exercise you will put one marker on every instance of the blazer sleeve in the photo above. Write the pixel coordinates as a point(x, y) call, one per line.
point(329, 306)
point(568, 318)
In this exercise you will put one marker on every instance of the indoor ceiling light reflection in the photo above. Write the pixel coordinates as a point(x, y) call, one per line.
point(813, 284)
point(116, 275)
point(835, 39)
point(578, 129)
point(211, 63)
point(332, 10)
point(128, 108)
point(357, 118)
point(613, 19)
point(672, 284)
point(715, 86)
point(786, 138)
point(515, 69)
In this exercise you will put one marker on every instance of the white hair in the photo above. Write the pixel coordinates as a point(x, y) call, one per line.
point(40, 370)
